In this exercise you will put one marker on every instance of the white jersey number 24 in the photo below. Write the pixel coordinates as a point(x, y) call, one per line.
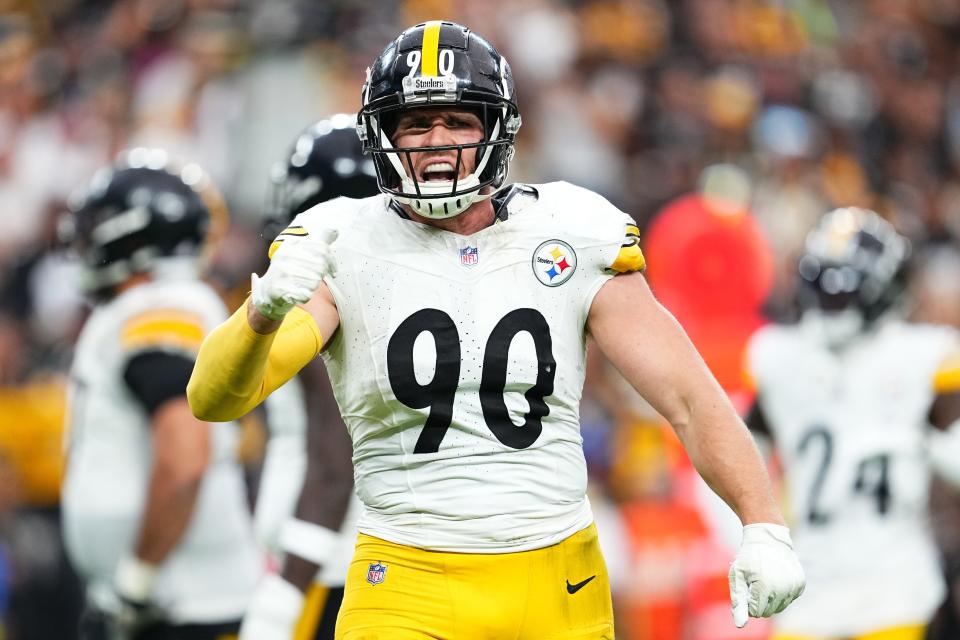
point(872, 475)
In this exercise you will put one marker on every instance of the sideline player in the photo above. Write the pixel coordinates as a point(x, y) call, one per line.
point(154, 505)
point(848, 394)
point(309, 446)
point(453, 318)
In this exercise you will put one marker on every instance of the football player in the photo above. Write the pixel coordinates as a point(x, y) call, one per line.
point(453, 317)
point(309, 446)
point(154, 505)
point(847, 395)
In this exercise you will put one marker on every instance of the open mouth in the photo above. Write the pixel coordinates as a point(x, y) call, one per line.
point(438, 172)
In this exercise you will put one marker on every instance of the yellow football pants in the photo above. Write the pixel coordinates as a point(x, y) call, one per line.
point(394, 592)
point(908, 632)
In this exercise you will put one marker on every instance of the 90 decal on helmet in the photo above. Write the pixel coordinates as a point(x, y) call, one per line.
point(439, 64)
point(144, 214)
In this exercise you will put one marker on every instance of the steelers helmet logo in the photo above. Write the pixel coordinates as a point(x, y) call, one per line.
point(554, 262)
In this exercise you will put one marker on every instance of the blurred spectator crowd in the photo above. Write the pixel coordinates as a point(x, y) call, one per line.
point(738, 121)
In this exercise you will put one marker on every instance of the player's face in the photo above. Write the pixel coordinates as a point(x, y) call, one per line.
point(438, 127)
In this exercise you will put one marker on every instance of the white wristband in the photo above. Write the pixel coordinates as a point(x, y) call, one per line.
point(308, 540)
point(134, 578)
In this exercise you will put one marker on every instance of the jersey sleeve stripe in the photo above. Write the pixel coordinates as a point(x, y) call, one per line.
point(273, 247)
point(630, 257)
point(633, 236)
point(947, 379)
point(163, 329)
point(292, 231)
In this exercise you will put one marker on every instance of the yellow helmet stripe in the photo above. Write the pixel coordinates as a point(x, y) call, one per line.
point(430, 54)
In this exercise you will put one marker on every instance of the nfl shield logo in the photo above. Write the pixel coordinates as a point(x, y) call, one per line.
point(469, 256)
point(376, 572)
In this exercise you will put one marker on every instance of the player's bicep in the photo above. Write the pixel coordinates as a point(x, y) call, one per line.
point(158, 379)
point(945, 410)
point(649, 347)
point(181, 442)
point(323, 309)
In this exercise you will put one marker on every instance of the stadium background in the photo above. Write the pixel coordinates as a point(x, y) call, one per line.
point(725, 127)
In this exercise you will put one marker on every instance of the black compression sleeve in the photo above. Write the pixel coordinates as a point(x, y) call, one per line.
point(157, 376)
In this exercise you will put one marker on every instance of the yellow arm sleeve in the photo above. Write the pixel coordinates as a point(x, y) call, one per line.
point(237, 368)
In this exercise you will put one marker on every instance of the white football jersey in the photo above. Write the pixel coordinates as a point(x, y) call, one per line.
point(212, 572)
point(284, 467)
point(850, 428)
point(459, 364)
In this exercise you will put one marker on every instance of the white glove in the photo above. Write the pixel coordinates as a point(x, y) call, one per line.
point(133, 585)
point(273, 612)
point(766, 575)
point(295, 272)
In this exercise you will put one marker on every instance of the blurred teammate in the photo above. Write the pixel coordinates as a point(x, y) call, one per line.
point(309, 446)
point(154, 510)
point(453, 317)
point(847, 395)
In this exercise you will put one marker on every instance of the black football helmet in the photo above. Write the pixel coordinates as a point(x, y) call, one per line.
point(439, 64)
point(854, 260)
point(139, 215)
point(326, 162)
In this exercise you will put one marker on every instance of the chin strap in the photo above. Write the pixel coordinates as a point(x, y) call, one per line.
point(439, 208)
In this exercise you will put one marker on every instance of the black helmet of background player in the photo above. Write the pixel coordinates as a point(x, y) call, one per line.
point(143, 215)
point(439, 64)
point(326, 162)
point(852, 272)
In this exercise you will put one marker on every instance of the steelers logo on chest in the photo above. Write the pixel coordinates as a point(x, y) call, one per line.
point(554, 262)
